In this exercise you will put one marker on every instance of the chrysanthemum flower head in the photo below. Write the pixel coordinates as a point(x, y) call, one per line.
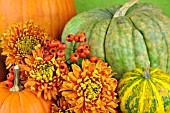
point(20, 40)
point(60, 106)
point(44, 76)
point(90, 89)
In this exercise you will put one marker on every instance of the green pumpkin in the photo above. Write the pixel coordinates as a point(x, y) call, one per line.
point(125, 37)
point(144, 92)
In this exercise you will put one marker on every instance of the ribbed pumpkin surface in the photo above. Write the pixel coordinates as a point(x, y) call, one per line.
point(125, 42)
point(52, 15)
point(144, 95)
point(24, 101)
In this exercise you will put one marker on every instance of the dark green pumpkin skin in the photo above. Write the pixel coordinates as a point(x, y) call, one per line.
point(125, 42)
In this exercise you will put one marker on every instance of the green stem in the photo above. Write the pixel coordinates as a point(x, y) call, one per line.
point(122, 11)
point(67, 59)
point(146, 72)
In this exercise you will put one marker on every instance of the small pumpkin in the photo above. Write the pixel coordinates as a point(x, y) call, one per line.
point(145, 91)
point(50, 14)
point(24, 101)
point(125, 36)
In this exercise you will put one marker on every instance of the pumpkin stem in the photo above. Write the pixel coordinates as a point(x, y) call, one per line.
point(17, 85)
point(122, 11)
point(146, 72)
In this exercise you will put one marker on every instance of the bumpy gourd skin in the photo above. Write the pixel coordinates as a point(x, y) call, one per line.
point(125, 42)
point(139, 94)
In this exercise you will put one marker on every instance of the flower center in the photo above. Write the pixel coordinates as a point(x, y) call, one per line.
point(26, 44)
point(92, 87)
point(43, 72)
point(93, 90)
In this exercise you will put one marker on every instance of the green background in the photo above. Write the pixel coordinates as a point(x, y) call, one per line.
point(83, 5)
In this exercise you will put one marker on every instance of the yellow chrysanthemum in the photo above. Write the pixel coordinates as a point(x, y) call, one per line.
point(90, 89)
point(44, 76)
point(20, 40)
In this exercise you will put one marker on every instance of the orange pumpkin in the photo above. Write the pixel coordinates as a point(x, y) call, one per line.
point(50, 14)
point(24, 101)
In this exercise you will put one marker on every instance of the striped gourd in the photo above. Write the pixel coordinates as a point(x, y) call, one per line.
point(145, 92)
point(125, 37)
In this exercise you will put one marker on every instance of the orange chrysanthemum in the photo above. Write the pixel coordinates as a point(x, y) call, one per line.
point(90, 89)
point(20, 40)
point(44, 76)
point(60, 106)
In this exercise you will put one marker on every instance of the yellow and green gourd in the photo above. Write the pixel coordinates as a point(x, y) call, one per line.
point(145, 91)
point(125, 37)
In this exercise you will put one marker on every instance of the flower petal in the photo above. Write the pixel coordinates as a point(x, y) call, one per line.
point(111, 110)
point(72, 77)
point(112, 104)
point(76, 70)
point(91, 67)
point(67, 93)
point(85, 63)
point(49, 95)
point(67, 86)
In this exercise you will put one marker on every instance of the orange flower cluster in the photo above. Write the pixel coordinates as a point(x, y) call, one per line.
point(45, 77)
point(90, 89)
point(19, 41)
